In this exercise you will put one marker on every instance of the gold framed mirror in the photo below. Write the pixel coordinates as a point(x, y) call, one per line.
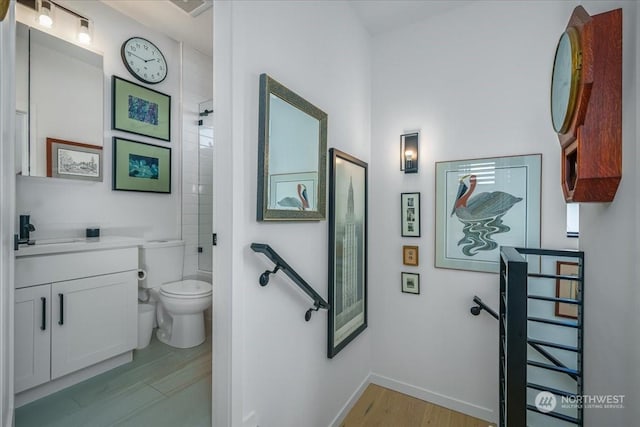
point(292, 156)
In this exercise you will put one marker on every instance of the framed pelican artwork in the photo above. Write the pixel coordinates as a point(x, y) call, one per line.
point(482, 204)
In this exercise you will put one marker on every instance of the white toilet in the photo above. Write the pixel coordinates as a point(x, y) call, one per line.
point(180, 304)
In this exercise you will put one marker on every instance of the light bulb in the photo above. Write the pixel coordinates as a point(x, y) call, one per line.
point(408, 155)
point(84, 36)
point(44, 16)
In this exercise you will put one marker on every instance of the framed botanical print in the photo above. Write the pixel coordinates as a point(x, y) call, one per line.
point(347, 250)
point(410, 255)
point(482, 204)
point(410, 214)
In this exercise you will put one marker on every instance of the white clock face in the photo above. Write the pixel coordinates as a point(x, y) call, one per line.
point(563, 82)
point(144, 60)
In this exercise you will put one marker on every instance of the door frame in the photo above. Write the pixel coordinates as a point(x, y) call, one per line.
point(7, 212)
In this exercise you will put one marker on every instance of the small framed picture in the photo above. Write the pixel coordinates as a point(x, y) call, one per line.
point(410, 283)
point(410, 255)
point(567, 289)
point(410, 214)
point(73, 160)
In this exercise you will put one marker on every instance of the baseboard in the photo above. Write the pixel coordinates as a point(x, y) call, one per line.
point(342, 414)
point(433, 397)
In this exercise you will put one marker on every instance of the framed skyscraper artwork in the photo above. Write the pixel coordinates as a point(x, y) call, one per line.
point(482, 204)
point(347, 250)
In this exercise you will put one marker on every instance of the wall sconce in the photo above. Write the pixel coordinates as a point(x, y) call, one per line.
point(409, 152)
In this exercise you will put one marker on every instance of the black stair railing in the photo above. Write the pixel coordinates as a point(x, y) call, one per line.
point(281, 265)
point(513, 323)
point(514, 334)
point(535, 344)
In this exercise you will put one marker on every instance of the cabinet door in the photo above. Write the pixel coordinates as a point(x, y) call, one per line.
point(32, 336)
point(93, 319)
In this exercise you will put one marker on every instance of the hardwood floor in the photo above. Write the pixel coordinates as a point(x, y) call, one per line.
point(381, 407)
point(162, 387)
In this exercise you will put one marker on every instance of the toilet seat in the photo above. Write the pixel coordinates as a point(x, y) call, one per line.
point(187, 289)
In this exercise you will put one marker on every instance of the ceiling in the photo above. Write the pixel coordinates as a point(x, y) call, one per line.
point(377, 16)
point(169, 19)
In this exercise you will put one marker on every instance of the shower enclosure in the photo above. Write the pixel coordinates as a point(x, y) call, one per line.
point(205, 186)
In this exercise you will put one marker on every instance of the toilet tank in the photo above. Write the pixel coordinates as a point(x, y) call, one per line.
point(162, 261)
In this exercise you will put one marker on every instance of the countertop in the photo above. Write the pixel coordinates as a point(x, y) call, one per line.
point(64, 245)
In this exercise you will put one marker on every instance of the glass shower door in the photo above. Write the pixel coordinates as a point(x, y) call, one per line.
point(205, 186)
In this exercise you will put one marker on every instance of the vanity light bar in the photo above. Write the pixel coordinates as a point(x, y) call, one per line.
point(44, 9)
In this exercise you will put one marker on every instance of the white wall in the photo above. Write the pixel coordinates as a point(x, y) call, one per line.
point(66, 207)
point(279, 367)
point(475, 82)
point(609, 237)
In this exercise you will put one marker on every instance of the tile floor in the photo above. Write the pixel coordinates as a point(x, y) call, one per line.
point(162, 387)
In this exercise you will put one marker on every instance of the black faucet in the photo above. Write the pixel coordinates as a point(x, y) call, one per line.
point(25, 228)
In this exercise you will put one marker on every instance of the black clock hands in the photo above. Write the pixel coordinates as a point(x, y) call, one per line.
point(131, 53)
point(145, 60)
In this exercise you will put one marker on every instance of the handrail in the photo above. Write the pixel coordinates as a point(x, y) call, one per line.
point(281, 265)
point(475, 310)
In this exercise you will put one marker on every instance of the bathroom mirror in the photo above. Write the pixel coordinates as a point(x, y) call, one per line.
point(59, 94)
point(292, 156)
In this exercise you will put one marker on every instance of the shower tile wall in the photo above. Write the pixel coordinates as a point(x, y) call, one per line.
point(197, 88)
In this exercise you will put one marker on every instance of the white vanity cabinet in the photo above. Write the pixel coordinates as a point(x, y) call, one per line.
point(32, 336)
point(73, 310)
point(93, 319)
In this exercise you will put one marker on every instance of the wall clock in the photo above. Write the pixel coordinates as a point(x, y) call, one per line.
point(144, 60)
point(586, 105)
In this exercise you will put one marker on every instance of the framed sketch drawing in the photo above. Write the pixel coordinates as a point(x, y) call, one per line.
point(482, 204)
point(347, 250)
point(410, 283)
point(73, 160)
point(567, 289)
point(410, 214)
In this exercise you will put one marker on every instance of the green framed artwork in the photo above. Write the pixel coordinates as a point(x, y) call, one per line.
point(141, 167)
point(140, 110)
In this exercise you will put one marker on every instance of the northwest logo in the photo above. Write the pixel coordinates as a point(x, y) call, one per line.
point(545, 402)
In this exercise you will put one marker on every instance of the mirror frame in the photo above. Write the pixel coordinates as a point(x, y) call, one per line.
point(270, 86)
